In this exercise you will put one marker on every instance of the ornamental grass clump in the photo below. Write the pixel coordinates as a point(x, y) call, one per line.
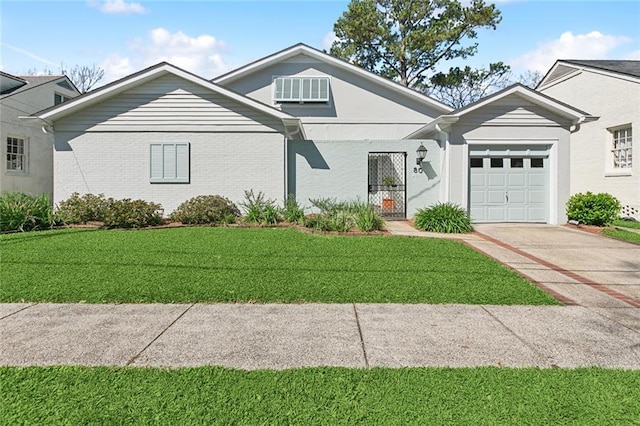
point(24, 212)
point(292, 211)
point(343, 216)
point(593, 209)
point(206, 210)
point(260, 210)
point(446, 218)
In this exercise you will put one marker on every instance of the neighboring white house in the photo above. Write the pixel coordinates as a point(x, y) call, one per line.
point(27, 152)
point(303, 122)
point(603, 155)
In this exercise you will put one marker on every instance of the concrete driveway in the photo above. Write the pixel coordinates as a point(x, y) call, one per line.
point(612, 263)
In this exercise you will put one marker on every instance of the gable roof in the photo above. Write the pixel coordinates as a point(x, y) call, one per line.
point(292, 124)
point(627, 68)
point(547, 102)
point(303, 49)
point(26, 82)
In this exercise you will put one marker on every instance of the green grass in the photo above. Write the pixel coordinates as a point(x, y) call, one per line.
point(619, 234)
point(263, 265)
point(626, 224)
point(421, 396)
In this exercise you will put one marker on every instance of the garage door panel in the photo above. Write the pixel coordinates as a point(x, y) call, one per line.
point(478, 197)
point(495, 197)
point(537, 180)
point(517, 197)
point(516, 214)
point(537, 197)
point(495, 214)
point(517, 180)
point(478, 180)
point(537, 214)
point(496, 179)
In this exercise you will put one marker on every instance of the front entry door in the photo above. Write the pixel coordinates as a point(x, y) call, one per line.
point(387, 176)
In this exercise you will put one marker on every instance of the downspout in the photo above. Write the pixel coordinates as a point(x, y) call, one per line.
point(445, 167)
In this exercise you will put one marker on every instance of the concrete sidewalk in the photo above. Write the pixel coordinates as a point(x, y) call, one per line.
point(288, 336)
point(597, 277)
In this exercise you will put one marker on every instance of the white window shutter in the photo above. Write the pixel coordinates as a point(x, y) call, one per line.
point(155, 162)
point(182, 162)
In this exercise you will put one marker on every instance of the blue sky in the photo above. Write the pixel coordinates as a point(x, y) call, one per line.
point(212, 37)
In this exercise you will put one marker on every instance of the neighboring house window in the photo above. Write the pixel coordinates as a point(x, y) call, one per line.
point(301, 89)
point(622, 148)
point(169, 162)
point(16, 154)
point(58, 98)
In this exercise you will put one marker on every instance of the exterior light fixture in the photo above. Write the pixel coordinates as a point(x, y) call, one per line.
point(421, 153)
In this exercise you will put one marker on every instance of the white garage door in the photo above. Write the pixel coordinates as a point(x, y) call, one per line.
point(509, 185)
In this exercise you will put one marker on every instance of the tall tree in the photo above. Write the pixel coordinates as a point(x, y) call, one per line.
point(84, 77)
point(404, 39)
point(462, 86)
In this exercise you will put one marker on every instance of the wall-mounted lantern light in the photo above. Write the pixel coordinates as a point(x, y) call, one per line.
point(421, 153)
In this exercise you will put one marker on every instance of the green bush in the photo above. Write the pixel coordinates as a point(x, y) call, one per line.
point(88, 208)
point(206, 209)
point(593, 209)
point(259, 209)
point(319, 222)
point(129, 213)
point(24, 212)
point(447, 218)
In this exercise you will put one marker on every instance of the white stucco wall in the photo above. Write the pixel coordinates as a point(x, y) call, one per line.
point(339, 169)
point(616, 101)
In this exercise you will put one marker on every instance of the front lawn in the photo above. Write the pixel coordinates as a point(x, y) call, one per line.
point(421, 396)
point(626, 224)
point(619, 234)
point(261, 265)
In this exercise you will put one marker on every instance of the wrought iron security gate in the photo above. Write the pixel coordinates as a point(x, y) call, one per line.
point(387, 175)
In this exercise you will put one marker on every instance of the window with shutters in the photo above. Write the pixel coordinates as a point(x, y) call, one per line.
point(169, 162)
point(301, 89)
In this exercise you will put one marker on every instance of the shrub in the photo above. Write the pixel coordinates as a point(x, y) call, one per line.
point(129, 213)
point(88, 208)
point(443, 217)
point(593, 209)
point(24, 212)
point(342, 216)
point(206, 209)
point(259, 209)
point(292, 211)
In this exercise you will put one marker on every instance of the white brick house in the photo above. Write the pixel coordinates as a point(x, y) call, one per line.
point(604, 155)
point(300, 121)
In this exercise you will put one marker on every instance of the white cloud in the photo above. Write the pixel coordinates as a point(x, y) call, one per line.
point(593, 45)
point(328, 40)
point(118, 7)
point(201, 55)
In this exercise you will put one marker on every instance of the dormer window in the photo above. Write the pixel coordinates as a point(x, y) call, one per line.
point(58, 98)
point(301, 89)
